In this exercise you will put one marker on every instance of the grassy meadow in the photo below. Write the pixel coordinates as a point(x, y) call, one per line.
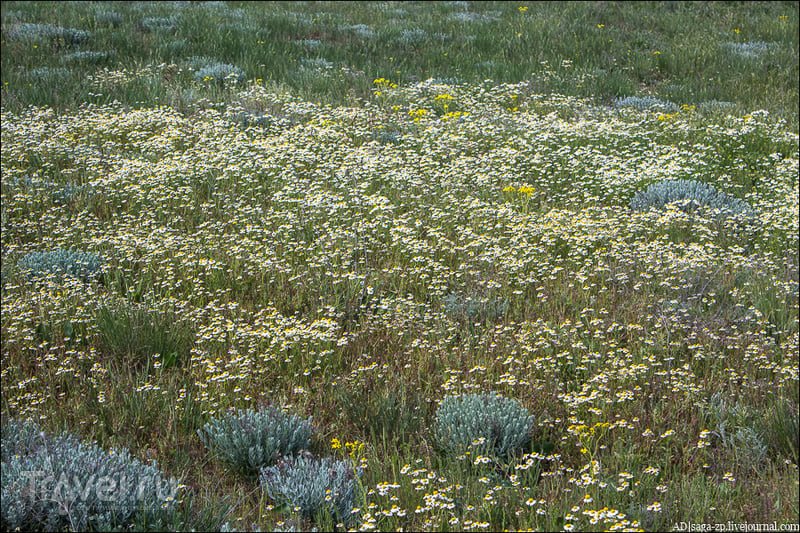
point(353, 211)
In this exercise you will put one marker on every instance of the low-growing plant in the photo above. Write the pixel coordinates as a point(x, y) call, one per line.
point(388, 137)
point(313, 486)
point(716, 106)
point(89, 56)
point(735, 425)
point(646, 103)
point(47, 75)
point(209, 70)
point(362, 31)
point(690, 196)
point(469, 309)
point(486, 424)
point(56, 483)
point(749, 50)
point(318, 63)
point(85, 266)
point(155, 24)
point(108, 18)
point(410, 37)
point(39, 32)
point(66, 194)
point(251, 440)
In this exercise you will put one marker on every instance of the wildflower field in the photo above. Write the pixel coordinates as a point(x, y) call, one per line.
point(400, 266)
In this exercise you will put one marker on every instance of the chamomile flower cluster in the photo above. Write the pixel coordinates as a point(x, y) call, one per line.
point(490, 247)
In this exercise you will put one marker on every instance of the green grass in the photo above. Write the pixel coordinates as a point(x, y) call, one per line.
point(401, 202)
point(688, 53)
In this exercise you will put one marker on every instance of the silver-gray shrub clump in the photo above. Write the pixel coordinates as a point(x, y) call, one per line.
point(251, 440)
point(207, 69)
point(646, 103)
point(55, 483)
point(314, 485)
point(474, 308)
point(692, 195)
point(38, 32)
point(82, 265)
point(155, 24)
point(484, 424)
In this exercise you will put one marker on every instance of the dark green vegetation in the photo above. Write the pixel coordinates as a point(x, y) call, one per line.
point(744, 53)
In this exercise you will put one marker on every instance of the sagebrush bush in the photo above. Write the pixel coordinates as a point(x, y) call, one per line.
point(646, 103)
point(485, 424)
point(690, 195)
point(47, 75)
point(387, 137)
point(39, 32)
point(362, 31)
point(749, 50)
point(56, 483)
point(108, 18)
point(250, 440)
point(736, 426)
point(313, 485)
point(156, 24)
point(414, 36)
point(82, 265)
point(474, 308)
point(89, 56)
point(716, 105)
point(210, 70)
point(68, 193)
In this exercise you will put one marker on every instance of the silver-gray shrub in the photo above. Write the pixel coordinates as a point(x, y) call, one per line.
point(60, 194)
point(156, 24)
point(310, 43)
point(473, 308)
point(691, 195)
point(38, 32)
point(469, 16)
point(737, 428)
point(412, 36)
point(54, 483)
point(89, 56)
point(486, 424)
point(317, 63)
point(250, 440)
point(48, 75)
point(716, 105)
point(646, 103)
point(85, 266)
point(209, 69)
point(749, 50)
point(314, 485)
point(362, 31)
point(108, 18)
